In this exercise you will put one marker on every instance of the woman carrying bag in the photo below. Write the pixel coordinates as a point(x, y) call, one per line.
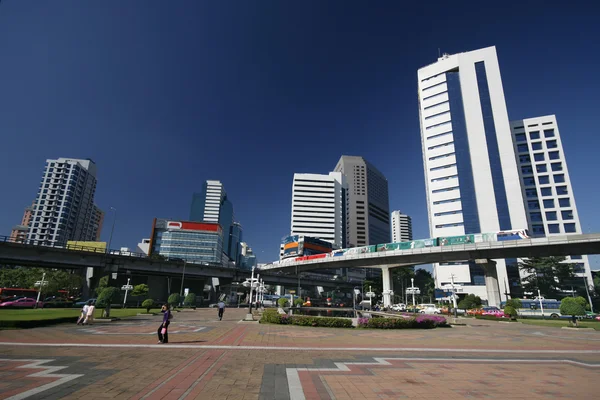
point(163, 329)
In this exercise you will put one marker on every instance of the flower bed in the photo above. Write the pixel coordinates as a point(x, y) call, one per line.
point(419, 322)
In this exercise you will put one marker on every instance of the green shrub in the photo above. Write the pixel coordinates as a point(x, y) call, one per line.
point(510, 311)
point(108, 296)
point(271, 316)
point(282, 302)
point(298, 302)
point(174, 299)
point(514, 303)
point(190, 299)
point(148, 304)
point(571, 306)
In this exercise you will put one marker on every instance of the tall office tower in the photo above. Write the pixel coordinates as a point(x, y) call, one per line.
point(549, 197)
point(206, 206)
point(96, 223)
point(64, 207)
point(471, 174)
point(19, 232)
point(212, 205)
point(319, 207)
point(235, 240)
point(368, 202)
point(401, 227)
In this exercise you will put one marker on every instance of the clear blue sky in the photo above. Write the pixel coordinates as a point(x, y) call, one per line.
point(166, 94)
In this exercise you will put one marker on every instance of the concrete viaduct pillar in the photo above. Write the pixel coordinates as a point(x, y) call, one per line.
point(491, 281)
point(387, 285)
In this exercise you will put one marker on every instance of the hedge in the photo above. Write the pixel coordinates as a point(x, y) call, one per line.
point(419, 322)
point(272, 317)
point(20, 324)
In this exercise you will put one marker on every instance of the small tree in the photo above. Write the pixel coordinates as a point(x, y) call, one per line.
point(282, 302)
point(102, 284)
point(148, 304)
point(107, 296)
point(570, 306)
point(511, 308)
point(190, 299)
point(583, 302)
point(470, 301)
point(174, 299)
point(298, 302)
point(140, 290)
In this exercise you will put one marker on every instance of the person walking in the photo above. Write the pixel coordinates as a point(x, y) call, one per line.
point(83, 314)
point(221, 306)
point(89, 318)
point(163, 329)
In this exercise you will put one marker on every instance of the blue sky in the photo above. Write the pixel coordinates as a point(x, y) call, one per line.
point(164, 95)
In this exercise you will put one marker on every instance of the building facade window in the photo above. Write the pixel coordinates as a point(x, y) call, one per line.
point(564, 202)
point(570, 228)
point(548, 133)
point(549, 203)
point(551, 216)
point(553, 228)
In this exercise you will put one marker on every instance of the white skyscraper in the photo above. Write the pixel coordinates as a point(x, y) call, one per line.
point(401, 227)
point(471, 173)
point(319, 207)
point(549, 197)
point(213, 199)
point(64, 207)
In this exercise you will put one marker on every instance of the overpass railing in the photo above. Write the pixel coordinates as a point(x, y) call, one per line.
point(103, 250)
point(539, 241)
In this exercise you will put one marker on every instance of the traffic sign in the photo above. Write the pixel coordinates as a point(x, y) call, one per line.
point(370, 294)
point(39, 283)
point(292, 292)
point(126, 287)
point(413, 290)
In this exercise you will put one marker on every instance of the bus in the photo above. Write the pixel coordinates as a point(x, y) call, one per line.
point(531, 308)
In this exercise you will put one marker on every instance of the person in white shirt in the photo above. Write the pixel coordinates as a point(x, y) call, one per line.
point(83, 314)
point(221, 306)
point(90, 314)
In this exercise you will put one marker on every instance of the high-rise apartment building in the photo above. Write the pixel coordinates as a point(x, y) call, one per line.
point(401, 227)
point(547, 190)
point(64, 206)
point(319, 207)
point(368, 202)
point(471, 173)
point(96, 223)
point(19, 232)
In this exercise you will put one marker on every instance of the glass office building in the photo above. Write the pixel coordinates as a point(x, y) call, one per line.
point(194, 242)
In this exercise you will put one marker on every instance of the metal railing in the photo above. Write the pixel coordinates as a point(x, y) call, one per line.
point(541, 241)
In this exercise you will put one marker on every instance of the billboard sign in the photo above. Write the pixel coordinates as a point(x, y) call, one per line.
point(193, 226)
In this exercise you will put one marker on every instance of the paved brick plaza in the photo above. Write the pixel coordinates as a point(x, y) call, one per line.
point(211, 359)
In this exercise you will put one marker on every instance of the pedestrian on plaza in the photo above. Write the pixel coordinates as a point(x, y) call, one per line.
point(221, 306)
point(89, 318)
point(163, 329)
point(83, 314)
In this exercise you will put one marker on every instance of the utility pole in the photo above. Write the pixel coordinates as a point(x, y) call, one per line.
point(40, 291)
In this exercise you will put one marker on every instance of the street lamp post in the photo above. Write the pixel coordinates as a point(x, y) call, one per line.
point(412, 284)
point(113, 227)
point(40, 291)
point(126, 291)
point(182, 278)
point(251, 287)
point(541, 304)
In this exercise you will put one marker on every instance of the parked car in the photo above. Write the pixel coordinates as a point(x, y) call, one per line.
point(494, 313)
point(430, 309)
point(57, 302)
point(23, 302)
point(399, 307)
point(84, 302)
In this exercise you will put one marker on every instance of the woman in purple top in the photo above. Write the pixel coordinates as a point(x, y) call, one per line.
point(164, 338)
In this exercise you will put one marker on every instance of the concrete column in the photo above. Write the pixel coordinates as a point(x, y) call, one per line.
point(491, 281)
point(387, 286)
point(87, 282)
point(158, 288)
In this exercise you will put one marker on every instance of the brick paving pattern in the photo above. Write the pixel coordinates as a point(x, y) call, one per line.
point(229, 359)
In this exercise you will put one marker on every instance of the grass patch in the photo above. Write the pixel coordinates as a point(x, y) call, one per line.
point(559, 323)
point(49, 316)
